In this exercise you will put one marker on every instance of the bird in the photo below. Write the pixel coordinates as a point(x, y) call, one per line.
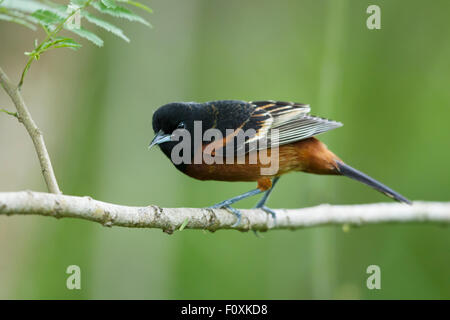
point(269, 127)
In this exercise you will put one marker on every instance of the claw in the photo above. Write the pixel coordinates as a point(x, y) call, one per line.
point(227, 204)
point(271, 212)
point(234, 211)
point(220, 205)
point(237, 213)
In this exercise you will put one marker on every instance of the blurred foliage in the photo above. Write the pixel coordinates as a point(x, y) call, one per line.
point(389, 87)
point(54, 17)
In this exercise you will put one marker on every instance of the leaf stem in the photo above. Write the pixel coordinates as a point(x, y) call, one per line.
point(14, 114)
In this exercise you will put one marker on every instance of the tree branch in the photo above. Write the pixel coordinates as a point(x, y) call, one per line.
point(171, 219)
point(24, 116)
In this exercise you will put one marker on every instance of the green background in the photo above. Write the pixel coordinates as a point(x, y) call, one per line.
point(390, 88)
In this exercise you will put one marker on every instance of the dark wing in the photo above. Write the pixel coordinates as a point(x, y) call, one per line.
point(291, 120)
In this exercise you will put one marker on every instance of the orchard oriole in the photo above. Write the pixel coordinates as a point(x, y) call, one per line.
point(295, 144)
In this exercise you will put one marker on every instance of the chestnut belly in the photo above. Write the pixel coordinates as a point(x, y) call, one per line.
point(309, 155)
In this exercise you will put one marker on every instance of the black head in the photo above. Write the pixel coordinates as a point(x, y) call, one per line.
point(173, 116)
point(221, 115)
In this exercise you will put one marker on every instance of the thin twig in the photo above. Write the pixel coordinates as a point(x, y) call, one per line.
point(14, 114)
point(38, 140)
point(172, 219)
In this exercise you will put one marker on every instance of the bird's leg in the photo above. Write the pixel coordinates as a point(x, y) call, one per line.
point(236, 199)
point(261, 203)
point(227, 204)
point(266, 195)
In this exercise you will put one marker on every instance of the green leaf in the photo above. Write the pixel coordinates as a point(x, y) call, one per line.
point(109, 3)
point(137, 5)
point(68, 43)
point(60, 42)
point(79, 3)
point(119, 12)
point(87, 35)
point(17, 20)
point(105, 25)
point(46, 17)
point(24, 5)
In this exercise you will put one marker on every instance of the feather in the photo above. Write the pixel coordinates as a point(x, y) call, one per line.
point(291, 120)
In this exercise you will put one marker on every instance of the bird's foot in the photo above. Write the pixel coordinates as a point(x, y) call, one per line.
point(221, 205)
point(269, 211)
point(225, 205)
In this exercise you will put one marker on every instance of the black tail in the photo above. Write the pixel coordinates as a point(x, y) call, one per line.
point(348, 171)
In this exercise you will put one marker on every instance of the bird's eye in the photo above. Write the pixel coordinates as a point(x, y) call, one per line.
point(181, 125)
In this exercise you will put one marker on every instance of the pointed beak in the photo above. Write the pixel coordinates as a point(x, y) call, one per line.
point(160, 137)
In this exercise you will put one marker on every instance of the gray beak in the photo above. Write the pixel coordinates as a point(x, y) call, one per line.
point(160, 137)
